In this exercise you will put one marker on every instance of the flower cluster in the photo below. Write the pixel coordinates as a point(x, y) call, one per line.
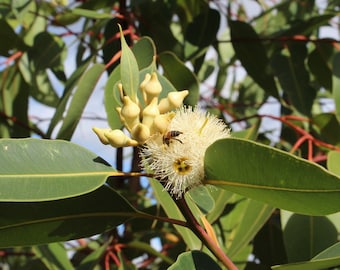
point(142, 122)
point(173, 142)
point(177, 157)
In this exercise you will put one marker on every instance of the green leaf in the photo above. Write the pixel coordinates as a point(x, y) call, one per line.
point(90, 261)
point(38, 170)
point(144, 51)
point(272, 176)
point(306, 236)
point(54, 256)
point(250, 221)
point(203, 199)
point(201, 32)
point(9, 39)
point(290, 67)
point(40, 86)
point(328, 127)
point(180, 76)
point(69, 86)
point(318, 63)
point(48, 51)
point(194, 260)
point(86, 86)
point(32, 223)
point(336, 84)
point(333, 162)
point(92, 14)
point(252, 55)
point(172, 211)
point(129, 72)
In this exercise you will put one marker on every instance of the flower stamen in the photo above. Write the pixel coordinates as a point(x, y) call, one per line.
point(181, 167)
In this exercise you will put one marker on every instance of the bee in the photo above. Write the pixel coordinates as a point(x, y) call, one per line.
point(171, 135)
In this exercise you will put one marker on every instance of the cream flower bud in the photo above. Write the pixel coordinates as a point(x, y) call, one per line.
point(100, 133)
point(150, 112)
point(142, 85)
point(172, 101)
point(140, 133)
point(117, 138)
point(130, 112)
point(161, 122)
point(152, 88)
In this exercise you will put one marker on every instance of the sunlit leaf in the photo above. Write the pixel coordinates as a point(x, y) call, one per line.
point(272, 176)
point(333, 162)
point(129, 71)
point(37, 170)
point(92, 14)
point(86, 86)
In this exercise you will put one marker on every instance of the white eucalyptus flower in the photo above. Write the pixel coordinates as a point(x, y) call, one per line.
point(176, 157)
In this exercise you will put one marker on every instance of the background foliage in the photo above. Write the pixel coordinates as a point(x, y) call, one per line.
point(246, 61)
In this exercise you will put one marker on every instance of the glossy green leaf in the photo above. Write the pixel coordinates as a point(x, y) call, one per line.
point(86, 86)
point(32, 223)
point(272, 176)
point(252, 55)
point(195, 260)
point(54, 256)
point(180, 76)
point(38, 170)
point(333, 162)
point(306, 236)
point(129, 72)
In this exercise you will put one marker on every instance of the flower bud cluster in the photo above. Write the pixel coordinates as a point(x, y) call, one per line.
point(142, 122)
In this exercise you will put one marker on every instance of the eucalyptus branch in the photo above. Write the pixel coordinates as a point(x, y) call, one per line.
point(197, 229)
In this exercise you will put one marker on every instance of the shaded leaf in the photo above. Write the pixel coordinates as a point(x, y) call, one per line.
point(86, 86)
point(9, 39)
point(252, 55)
point(54, 256)
point(306, 236)
point(328, 127)
point(201, 32)
point(272, 176)
point(194, 260)
point(32, 223)
point(289, 66)
point(37, 170)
